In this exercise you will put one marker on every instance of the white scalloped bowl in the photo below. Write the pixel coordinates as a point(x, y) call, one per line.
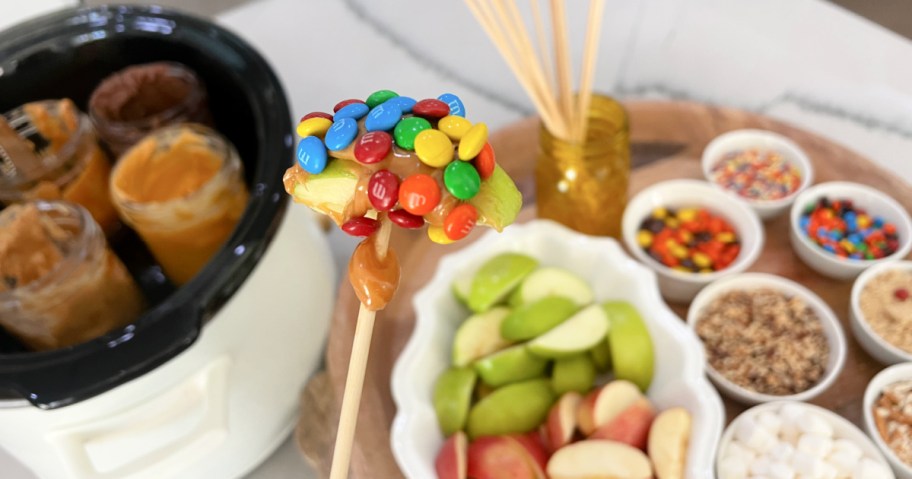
point(679, 372)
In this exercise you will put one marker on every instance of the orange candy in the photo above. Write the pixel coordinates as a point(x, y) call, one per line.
point(459, 223)
point(419, 194)
point(485, 162)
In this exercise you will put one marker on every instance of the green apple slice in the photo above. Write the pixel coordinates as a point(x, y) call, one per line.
point(575, 335)
point(601, 354)
point(453, 398)
point(479, 336)
point(533, 319)
point(632, 354)
point(516, 408)
point(509, 366)
point(498, 200)
point(574, 373)
point(462, 286)
point(552, 282)
point(497, 278)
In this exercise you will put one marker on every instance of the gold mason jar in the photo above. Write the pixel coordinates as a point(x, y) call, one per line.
point(583, 185)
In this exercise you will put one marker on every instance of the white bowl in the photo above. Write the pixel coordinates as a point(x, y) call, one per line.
point(872, 342)
point(842, 428)
point(679, 286)
point(865, 197)
point(763, 140)
point(751, 281)
point(884, 378)
point(679, 376)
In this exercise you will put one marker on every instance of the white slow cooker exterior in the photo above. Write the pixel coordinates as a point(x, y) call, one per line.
point(217, 409)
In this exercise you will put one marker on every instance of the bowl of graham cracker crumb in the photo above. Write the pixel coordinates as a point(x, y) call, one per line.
point(881, 311)
point(888, 416)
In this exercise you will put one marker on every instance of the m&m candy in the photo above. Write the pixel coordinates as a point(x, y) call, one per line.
point(434, 148)
point(419, 194)
point(373, 147)
point(455, 104)
point(344, 103)
point(455, 127)
point(380, 96)
point(383, 190)
point(311, 155)
point(462, 180)
point(361, 226)
point(383, 117)
point(459, 223)
point(341, 134)
point(405, 219)
point(407, 130)
point(315, 126)
point(431, 108)
point(352, 110)
point(840, 228)
point(473, 141)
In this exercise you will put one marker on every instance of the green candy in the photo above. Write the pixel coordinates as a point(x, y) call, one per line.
point(462, 180)
point(379, 97)
point(407, 129)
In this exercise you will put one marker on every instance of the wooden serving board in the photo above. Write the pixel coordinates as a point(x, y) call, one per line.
point(667, 139)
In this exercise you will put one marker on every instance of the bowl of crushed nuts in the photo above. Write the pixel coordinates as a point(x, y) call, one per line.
point(888, 416)
point(767, 338)
point(881, 311)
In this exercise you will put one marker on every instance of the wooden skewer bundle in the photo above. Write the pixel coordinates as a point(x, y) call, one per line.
point(547, 82)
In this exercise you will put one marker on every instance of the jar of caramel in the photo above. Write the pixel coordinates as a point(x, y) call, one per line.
point(182, 189)
point(131, 103)
point(51, 152)
point(60, 284)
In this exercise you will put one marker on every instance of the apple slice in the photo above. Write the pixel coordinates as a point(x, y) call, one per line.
point(599, 459)
point(452, 461)
point(461, 287)
point(546, 282)
point(514, 408)
point(453, 397)
point(513, 364)
point(575, 335)
point(497, 278)
point(536, 318)
point(630, 427)
point(669, 438)
point(602, 405)
point(574, 373)
point(632, 355)
point(479, 336)
point(532, 442)
point(601, 354)
point(501, 457)
point(561, 423)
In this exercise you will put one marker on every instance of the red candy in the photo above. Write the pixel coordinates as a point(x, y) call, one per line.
point(901, 294)
point(406, 220)
point(419, 194)
point(361, 226)
point(344, 103)
point(431, 108)
point(383, 190)
point(317, 114)
point(373, 147)
point(485, 162)
point(459, 223)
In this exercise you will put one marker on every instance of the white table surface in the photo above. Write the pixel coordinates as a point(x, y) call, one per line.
point(805, 62)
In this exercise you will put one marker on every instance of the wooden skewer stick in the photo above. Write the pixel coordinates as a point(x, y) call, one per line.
point(354, 381)
point(562, 60)
point(590, 52)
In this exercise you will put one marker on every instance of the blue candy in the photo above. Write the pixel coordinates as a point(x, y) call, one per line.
point(383, 117)
point(804, 222)
point(342, 132)
point(456, 106)
point(311, 155)
point(353, 110)
point(404, 103)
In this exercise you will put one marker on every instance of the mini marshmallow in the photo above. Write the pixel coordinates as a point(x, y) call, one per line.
point(753, 436)
point(843, 464)
point(781, 470)
point(769, 421)
point(732, 468)
point(827, 471)
point(739, 451)
point(789, 432)
point(792, 413)
point(807, 464)
point(815, 445)
point(760, 467)
point(815, 424)
point(868, 469)
point(781, 452)
point(847, 449)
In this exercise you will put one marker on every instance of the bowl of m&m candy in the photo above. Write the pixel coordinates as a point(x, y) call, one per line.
point(840, 228)
point(762, 168)
point(690, 234)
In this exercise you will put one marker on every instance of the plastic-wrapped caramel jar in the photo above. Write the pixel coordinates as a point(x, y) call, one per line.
point(52, 153)
point(60, 284)
point(182, 190)
point(133, 102)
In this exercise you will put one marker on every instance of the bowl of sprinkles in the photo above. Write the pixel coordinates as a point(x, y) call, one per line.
point(839, 229)
point(880, 312)
point(762, 168)
point(767, 338)
point(690, 234)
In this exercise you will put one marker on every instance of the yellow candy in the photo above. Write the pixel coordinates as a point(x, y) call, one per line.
point(644, 238)
point(437, 235)
point(455, 127)
point(659, 213)
point(434, 148)
point(672, 222)
point(686, 236)
point(702, 260)
point(848, 246)
point(726, 237)
point(687, 214)
point(315, 126)
point(679, 252)
point(473, 141)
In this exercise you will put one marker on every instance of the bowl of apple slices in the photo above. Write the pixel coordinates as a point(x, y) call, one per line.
point(541, 352)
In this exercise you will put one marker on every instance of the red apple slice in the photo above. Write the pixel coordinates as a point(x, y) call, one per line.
point(669, 439)
point(534, 445)
point(501, 457)
point(561, 422)
point(451, 461)
point(631, 426)
point(599, 459)
point(602, 405)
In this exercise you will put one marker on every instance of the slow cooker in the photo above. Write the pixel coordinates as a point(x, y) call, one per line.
point(205, 384)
